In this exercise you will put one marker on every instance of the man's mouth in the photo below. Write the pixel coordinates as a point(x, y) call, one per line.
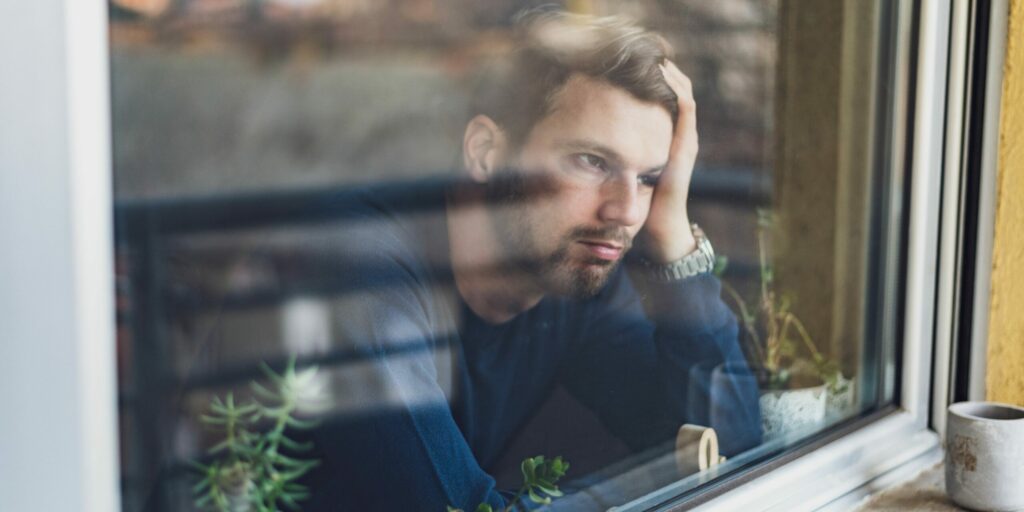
point(604, 250)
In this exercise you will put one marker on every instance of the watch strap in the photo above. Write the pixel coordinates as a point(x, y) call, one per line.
point(700, 261)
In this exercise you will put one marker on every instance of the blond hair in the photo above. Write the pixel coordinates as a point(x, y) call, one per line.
point(519, 90)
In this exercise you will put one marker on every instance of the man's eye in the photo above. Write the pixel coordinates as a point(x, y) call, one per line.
point(591, 161)
point(649, 180)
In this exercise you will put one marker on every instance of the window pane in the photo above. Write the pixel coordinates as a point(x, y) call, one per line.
point(461, 232)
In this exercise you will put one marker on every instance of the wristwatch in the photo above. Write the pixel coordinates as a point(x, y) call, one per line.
point(697, 262)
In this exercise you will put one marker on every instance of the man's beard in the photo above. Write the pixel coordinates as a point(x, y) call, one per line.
point(509, 196)
point(584, 277)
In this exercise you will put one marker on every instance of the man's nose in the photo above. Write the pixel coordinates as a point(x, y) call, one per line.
point(620, 201)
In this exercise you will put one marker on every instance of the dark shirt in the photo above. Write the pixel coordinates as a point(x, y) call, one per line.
point(434, 392)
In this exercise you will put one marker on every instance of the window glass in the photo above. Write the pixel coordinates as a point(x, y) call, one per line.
point(380, 255)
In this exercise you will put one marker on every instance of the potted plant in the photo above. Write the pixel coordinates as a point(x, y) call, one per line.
point(799, 385)
point(247, 471)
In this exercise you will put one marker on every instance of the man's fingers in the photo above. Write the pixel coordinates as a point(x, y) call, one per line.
point(678, 81)
point(667, 226)
point(686, 126)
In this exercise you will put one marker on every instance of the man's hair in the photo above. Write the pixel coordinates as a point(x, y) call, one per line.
point(520, 89)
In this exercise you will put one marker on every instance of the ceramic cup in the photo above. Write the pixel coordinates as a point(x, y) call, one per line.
point(985, 456)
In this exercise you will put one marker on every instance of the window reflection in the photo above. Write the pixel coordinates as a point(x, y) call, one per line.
point(463, 247)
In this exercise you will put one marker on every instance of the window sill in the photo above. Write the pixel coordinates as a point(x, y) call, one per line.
point(840, 474)
point(925, 492)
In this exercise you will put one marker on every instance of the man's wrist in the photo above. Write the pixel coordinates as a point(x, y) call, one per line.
point(671, 245)
point(699, 260)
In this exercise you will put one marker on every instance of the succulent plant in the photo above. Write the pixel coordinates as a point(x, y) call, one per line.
point(247, 471)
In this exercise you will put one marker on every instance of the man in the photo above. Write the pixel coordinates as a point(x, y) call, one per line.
point(580, 154)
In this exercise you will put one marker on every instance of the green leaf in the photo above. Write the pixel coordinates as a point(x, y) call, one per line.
point(247, 409)
point(551, 490)
point(536, 498)
point(302, 424)
point(296, 446)
point(528, 467)
point(219, 447)
point(288, 476)
point(203, 501)
point(289, 502)
point(484, 507)
point(202, 486)
point(212, 420)
point(271, 374)
point(287, 461)
point(721, 264)
point(263, 392)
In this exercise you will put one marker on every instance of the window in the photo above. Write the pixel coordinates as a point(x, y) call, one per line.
point(291, 176)
point(243, 132)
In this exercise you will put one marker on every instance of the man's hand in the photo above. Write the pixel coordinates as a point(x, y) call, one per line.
point(666, 235)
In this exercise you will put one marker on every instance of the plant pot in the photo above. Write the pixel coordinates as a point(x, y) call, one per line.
point(238, 497)
point(985, 455)
point(843, 404)
point(791, 412)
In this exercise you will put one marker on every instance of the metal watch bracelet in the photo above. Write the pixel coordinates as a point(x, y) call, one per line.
point(700, 261)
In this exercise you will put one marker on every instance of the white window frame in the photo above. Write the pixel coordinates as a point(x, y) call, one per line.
point(58, 437)
point(58, 391)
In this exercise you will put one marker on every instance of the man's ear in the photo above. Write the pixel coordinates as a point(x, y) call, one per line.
point(483, 147)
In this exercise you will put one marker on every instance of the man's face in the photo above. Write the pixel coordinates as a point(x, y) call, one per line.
point(597, 157)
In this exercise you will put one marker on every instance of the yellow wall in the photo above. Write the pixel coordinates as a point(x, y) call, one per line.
point(1005, 379)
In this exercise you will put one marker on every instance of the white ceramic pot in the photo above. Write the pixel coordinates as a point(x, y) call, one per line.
point(841, 405)
point(792, 412)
